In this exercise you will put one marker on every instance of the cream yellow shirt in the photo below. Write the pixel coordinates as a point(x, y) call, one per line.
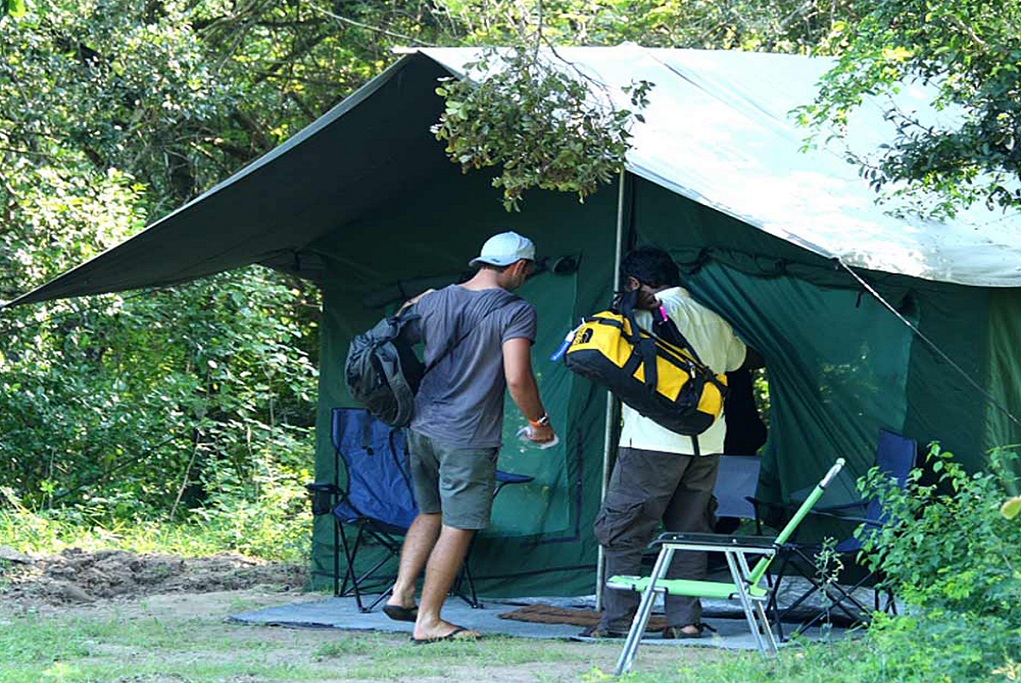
point(714, 341)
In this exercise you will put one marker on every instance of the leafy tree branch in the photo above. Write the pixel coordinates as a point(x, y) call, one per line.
point(969, 53)
point(545, 124)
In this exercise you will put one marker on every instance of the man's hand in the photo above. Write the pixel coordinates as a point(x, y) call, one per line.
point(414, 300)
point(542, 434)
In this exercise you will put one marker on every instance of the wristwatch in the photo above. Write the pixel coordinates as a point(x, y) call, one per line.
point(543, 421)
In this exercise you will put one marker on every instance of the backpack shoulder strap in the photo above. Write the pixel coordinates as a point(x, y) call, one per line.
point(493, 308)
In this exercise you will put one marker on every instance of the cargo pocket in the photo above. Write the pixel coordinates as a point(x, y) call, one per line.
point(620, 524)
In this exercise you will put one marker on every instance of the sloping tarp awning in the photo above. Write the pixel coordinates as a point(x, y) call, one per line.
point(344, 164)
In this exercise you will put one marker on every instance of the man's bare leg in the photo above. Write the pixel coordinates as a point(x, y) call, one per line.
point(418, 544)
point(444, 562)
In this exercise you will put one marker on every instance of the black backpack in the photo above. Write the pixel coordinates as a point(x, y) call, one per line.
point(382, 371)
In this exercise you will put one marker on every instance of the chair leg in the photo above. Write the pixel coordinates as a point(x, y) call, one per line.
point(348, 555)
point(382, 596)
point(815, 586)
point(767, 631)
point(891, 602)
point(752, 613)
point(336, 556)
point(844, 597)
point(351, 577)
point(641, 619)
point(465, 577)
point(773, 605)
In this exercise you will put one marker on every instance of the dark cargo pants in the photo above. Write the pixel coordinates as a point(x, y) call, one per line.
point(648, 487)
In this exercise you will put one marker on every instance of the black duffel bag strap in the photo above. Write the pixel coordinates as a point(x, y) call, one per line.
point(645, 346)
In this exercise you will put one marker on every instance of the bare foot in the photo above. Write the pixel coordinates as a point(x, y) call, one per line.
point(443, 630)
point(406, 601)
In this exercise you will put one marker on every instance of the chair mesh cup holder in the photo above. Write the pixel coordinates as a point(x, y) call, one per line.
point(323, 496)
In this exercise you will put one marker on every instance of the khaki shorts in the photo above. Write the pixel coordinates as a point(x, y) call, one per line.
point(458, 482)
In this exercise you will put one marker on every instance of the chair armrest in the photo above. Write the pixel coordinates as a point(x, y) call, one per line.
point(721, 541)
point(841, 518)
point(512, 478)
point(858, 504)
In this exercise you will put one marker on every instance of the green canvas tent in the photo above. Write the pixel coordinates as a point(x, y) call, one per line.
point(866, 320)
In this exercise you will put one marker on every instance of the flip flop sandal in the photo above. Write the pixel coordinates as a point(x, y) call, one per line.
point(678, 632)
point(459, 633)
point(400, 613)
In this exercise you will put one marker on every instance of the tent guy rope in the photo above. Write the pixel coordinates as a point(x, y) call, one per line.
point(932, 345)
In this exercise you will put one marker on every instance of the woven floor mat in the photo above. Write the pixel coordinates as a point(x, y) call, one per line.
point(548, 614)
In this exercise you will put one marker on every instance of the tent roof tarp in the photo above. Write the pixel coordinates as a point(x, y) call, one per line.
point(717, 131)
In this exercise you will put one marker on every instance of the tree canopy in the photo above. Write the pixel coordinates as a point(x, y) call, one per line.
point(969, 52)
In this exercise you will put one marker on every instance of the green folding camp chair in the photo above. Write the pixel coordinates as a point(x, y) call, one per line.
point(747, 585)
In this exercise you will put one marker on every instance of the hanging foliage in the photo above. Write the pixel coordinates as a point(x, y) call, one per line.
point(543, 122)
point(968, 53)
point(16, 8)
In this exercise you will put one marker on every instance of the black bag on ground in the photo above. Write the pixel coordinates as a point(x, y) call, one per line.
point(382, 371)
point(661, 377)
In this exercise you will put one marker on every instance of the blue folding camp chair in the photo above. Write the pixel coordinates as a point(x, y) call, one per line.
point(378, 501)
point(736, 482)
point(895, 456)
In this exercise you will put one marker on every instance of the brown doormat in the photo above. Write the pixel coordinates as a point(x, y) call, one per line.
point(548, 614)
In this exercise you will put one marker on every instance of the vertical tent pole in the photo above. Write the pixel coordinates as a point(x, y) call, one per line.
point(611, 401)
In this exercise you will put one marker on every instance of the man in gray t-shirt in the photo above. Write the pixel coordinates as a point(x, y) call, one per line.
point(460, 400)
point(478, 341)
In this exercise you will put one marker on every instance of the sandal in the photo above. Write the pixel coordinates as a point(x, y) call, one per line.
point(401, 613)
point(678, 632)
point(598, 631)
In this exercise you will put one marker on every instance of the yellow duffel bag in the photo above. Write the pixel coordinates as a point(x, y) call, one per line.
point(664, 381)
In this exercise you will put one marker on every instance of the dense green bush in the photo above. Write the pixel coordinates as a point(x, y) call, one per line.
point(947, 547)
point(276, 526)
point(145, 406)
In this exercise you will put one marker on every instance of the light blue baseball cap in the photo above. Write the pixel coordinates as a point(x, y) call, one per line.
point(505, 249)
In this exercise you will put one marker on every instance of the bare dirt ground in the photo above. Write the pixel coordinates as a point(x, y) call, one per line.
point(191, 598)
point(77, 577)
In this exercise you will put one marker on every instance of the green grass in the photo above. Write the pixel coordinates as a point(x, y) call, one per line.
point(50, 532)
point(156, 640)
point(35, 647)
point(140, 671)
point(162, 643)
point(157, 645)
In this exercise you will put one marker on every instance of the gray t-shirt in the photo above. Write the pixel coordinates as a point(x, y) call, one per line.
point(460, 401)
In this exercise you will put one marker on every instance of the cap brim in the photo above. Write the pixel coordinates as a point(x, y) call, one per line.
point(491, 260)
